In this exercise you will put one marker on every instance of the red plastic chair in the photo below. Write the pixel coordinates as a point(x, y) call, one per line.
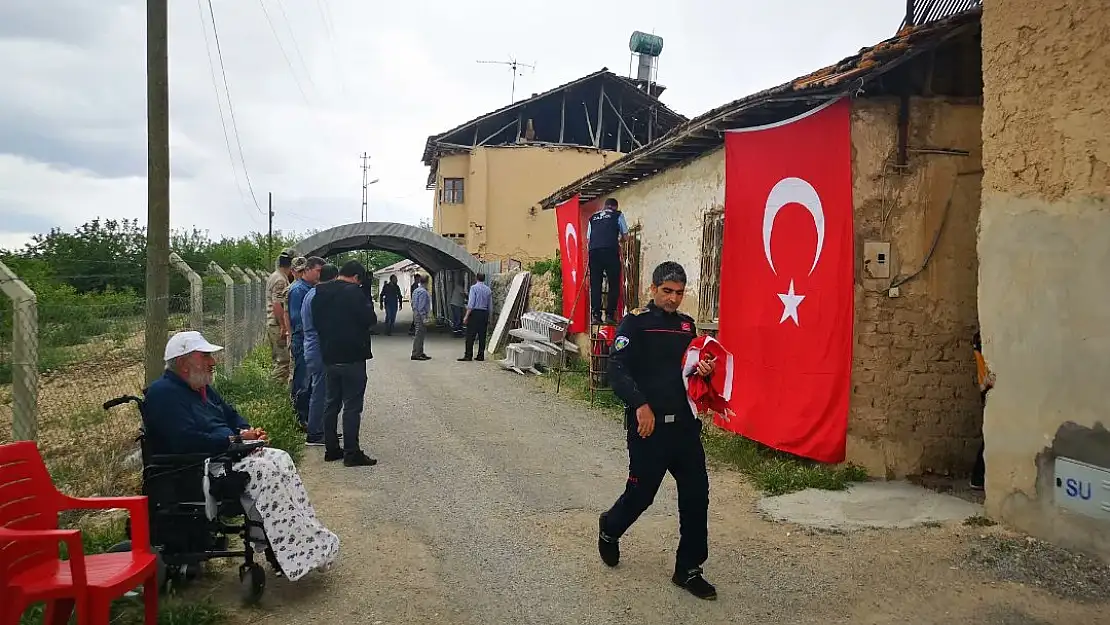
point(31, 570)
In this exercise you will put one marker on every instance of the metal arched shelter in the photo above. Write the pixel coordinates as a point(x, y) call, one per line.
point(431, 251)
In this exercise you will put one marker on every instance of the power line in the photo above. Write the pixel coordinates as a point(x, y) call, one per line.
point(231, 107)
point(296, 46)
point(292, 72)
point(219, 100)
point(325, 17)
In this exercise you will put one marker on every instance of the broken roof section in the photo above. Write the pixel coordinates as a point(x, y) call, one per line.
point(868, 72)
point(602, 110)
point(921, 12)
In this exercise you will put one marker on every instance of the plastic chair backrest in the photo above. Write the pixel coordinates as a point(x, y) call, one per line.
point(28, 501)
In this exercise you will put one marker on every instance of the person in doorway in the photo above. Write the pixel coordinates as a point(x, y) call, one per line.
point(985, 377)
point(343, 317)
point(277, 328)
point(476, 319)
point(458, 307)
point(605, 232)
point(309, 275)
point(664, 434)
point(314, 362)
point(390, 302)
point(421, 310)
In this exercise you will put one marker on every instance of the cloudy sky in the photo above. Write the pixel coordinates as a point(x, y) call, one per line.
point(348, 76)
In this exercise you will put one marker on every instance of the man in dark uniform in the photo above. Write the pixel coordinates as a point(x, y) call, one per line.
point(605, 231)
point(664, 434)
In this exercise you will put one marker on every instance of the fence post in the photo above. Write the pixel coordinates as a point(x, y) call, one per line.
point(256, 311)
point(248, 309)
point(25, 361)
point(229, 315)
point(196, 291)
point(260, 328)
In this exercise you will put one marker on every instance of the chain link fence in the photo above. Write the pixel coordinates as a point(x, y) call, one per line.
point(64, 353)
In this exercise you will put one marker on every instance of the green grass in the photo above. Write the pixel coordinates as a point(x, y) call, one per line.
point(773, 472)
point(263, 402)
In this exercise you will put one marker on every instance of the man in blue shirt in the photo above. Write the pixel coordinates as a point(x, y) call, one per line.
point(309, 275)
point(476, 318)
point(314, 362)
point(606, 230)
point(184, 414)
point(421, 310)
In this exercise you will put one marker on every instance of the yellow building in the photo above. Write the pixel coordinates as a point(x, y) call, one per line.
point(490, 172)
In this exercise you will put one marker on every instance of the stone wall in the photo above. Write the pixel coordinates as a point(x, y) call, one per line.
point(915, 404)
point(1043, 255)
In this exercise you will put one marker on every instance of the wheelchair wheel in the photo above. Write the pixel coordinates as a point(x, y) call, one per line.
point(159, 564)
point(252, 582)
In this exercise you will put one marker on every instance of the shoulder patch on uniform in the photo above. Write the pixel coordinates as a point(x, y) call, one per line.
point(620, 343)
point(638, 311)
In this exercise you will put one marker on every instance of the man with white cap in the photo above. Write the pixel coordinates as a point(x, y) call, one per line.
point(185, 415)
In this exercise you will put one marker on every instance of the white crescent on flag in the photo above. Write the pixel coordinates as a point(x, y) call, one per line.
point(793, 191)
point(570, 237)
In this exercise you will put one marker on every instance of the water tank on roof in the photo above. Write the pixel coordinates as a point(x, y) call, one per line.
point(643, 43)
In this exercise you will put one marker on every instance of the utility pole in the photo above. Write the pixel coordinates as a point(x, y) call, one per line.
point(365, 184)
point(158, 186)
point(270, 235)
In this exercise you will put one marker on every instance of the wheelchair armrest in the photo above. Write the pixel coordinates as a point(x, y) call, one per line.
point(177, 460)
point(238, 451)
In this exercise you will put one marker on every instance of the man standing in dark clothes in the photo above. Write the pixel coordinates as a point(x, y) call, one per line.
point(391, 303)
point(343, 317)
point(605, 231)
point(664, 434)
point(476, 319)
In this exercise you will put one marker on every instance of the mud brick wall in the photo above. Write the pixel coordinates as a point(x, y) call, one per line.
point(915, 403)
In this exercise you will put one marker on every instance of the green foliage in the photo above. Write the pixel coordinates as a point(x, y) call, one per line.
point(553, 269)
point(263, 402)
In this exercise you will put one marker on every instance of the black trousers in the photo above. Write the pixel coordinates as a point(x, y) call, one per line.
point(346, 390)
point(605, 263)
point(476, 327)
point(677, 448)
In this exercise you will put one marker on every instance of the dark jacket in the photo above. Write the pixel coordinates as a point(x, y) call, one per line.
point(181, 421)
point(343, 317)
point(645, 364)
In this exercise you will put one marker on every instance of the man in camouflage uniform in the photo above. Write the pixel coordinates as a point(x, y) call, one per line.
point(277, 319)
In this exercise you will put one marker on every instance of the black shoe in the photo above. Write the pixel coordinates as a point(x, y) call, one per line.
point(609, 548)
point(332, 456)
point(314, 441)
point(425, 357)
point(597, 319)
point(359, 459)
point(695, 584)
point(465, 359)
point(479, 358)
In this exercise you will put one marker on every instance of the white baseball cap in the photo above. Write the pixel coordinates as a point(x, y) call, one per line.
point(188, 342)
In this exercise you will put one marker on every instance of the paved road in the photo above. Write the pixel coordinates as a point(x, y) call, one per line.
point(484, 507)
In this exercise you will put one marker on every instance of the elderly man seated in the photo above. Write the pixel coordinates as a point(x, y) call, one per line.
point(184, 415)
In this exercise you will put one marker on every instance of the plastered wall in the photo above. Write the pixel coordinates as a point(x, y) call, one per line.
point(1044, 250)
point(915, 402)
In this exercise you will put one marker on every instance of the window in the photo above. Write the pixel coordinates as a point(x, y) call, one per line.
point(630, 272)
point(456, 237)
point(452, 191)
point(709, 287)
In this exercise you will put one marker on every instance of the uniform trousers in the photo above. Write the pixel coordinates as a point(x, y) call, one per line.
point(674, 448)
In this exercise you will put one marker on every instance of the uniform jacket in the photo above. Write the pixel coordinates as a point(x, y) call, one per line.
point(645, 363)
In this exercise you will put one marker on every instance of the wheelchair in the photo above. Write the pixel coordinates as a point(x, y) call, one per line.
point(181, 534)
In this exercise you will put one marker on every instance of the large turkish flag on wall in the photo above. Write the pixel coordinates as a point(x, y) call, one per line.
point(571, 246)
point(786, 309)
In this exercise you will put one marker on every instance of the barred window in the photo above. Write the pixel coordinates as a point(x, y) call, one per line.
point(709, 287)
point(452, 191)
point(630, 271)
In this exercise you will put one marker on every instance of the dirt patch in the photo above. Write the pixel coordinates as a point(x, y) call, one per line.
point(1041, 565)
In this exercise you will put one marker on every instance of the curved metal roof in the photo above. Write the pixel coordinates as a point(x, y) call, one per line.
point(425, 247)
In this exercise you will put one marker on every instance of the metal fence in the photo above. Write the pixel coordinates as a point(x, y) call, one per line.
point(63, 353)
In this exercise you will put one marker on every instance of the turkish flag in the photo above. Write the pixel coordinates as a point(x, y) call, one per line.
point(571, 240)
point(786, 309)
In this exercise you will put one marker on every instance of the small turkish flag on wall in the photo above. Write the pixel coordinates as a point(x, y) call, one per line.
point(786, 310)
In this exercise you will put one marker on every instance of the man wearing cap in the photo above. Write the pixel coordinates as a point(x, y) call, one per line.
point(185, 415)
point(307, 276)
point(277, 320)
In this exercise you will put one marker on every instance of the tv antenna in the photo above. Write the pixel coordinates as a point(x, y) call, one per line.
point(515, 66)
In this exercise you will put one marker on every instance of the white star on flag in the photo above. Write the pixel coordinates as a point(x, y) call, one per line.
point(790, 303)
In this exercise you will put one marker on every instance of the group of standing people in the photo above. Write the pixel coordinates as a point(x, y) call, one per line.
point(321, 317)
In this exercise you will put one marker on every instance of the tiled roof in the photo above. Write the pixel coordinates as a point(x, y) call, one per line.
point(703, 134)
